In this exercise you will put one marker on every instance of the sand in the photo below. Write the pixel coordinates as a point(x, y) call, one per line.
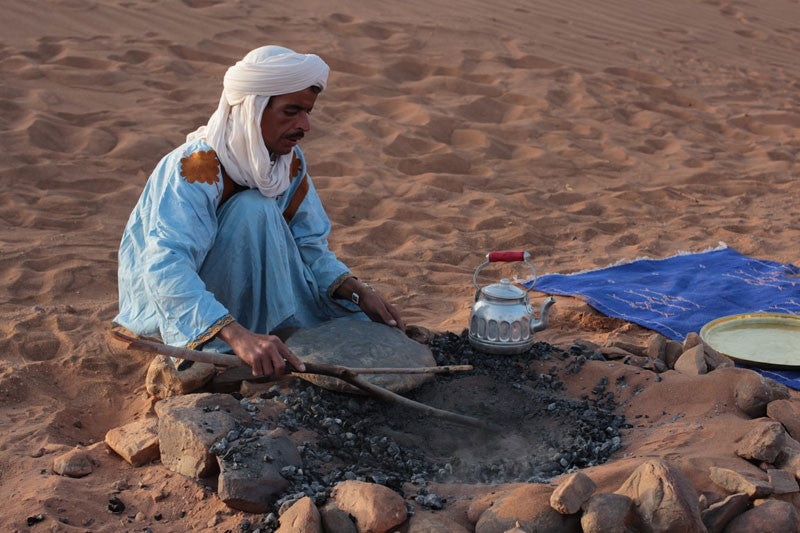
point(583, 134)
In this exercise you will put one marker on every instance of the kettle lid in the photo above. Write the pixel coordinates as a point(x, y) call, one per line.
point(503, 291)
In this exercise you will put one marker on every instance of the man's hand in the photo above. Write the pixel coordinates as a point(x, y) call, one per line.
point(265, 354)
point(371, 302)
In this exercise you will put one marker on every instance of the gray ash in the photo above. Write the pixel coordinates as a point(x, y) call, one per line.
point(544, 433)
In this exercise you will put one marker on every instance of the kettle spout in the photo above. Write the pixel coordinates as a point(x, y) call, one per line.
point(539, 325)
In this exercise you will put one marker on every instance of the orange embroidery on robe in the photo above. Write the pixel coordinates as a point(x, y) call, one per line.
point(201, 166)
point(297, 199)
point(295, 167)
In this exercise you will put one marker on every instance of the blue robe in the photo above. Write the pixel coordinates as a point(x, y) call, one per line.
point(198, 253)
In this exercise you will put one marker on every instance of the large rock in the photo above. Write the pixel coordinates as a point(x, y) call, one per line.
point(528, 507)
point(189, 425)
point(692, 339)
point(657, 346)
point(479, 505)
point(754, 392)
point(250, 470)
point(789, 457)
point(672, 352)
point(572, 493)
point(608, 513)
point(375, 508)
point(301, 517)
point(360, 344)
point(206, 402)
point(634, 349)
point(428, 522)
point(334, 520)
point(665, 499)
point(136, 442)
point(763, 442)
point(734, 481)
point(787, 412)
point(164, 380)
point(692, 362)
point(74, 463)
point(772, 516)
point(717, 516)
point(782, 482)
point(715, 359)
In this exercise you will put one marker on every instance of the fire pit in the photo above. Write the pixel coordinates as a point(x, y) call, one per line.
point(542, 432)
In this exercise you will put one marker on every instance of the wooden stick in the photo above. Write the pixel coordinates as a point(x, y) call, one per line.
point(348, 376)
point(418, 370)
point(224, 359)
point(340, 372)
point(221, 359)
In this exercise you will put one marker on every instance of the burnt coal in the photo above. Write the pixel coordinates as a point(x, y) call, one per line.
point(544, 432)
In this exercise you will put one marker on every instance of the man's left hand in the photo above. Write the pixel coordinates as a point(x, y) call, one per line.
point(371, 302)
point(378, 309)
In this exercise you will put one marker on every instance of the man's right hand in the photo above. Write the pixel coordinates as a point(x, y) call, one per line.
point(267, 355)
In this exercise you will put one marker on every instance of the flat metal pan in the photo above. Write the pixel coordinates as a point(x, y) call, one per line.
point(768, 340)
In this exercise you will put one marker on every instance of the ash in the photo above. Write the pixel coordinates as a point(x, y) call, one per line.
point(543, 432)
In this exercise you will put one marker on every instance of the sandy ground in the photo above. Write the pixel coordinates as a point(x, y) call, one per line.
point(584, 135)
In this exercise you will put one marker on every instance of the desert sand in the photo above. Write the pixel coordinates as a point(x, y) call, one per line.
point(585, 133)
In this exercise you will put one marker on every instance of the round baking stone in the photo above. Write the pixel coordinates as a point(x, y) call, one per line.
point(361, 344)
point(770, 340)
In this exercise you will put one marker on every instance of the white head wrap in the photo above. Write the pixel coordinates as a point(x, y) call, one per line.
point(234, 130)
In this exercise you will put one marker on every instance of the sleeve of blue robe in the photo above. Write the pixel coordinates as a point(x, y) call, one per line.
point(182, 229)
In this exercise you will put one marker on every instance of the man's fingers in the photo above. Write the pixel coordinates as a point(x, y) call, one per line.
point(262, 365)
point(278, 364)
point(385, 315)
point(396, 315)
point(287, 355)
point(295, 361)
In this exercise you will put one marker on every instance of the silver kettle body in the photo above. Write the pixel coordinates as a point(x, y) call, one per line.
point(502, 320)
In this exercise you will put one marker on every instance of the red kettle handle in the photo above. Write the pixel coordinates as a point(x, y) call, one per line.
point(506, 256)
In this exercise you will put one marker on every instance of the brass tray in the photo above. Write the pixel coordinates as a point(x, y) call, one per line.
point(769, 340)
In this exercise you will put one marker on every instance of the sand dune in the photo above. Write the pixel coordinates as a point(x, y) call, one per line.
point(583, 134)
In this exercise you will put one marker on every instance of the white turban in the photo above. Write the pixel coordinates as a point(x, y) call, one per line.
point(234, 130)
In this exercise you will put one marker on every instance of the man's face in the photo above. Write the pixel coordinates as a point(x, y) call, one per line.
point(285, 120)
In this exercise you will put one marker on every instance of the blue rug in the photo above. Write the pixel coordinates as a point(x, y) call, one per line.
point(680, 294)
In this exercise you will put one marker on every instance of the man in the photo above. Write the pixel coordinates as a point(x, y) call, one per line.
point(228, 242)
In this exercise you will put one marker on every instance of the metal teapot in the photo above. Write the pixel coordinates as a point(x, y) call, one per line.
point(502, 319)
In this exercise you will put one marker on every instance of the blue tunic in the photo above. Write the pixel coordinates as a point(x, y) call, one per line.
point(196, 255)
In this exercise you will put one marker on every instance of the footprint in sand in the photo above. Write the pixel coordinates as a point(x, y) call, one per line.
point(83, 63)
point(407, 70)
point(132, 57)
point(38, 347)
point(629, 239)
point(752, 34)
point(342, 66)
point(643, 77)
point(192, 54)
point(528, 62)
point(484, 110)
point(406, 146)
point(434, 163)
point(198, 4)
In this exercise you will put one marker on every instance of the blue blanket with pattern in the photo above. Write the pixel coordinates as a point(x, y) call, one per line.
point(680, 294)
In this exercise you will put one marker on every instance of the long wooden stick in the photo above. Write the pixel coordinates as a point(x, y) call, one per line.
point(345, 374)
point(221, 359)
point(418, 370)
point(224, 359)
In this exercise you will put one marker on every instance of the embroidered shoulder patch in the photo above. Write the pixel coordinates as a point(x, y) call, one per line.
point(201, 166)
point(295, 167)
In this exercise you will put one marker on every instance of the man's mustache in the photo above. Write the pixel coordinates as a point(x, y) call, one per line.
point(295, 135)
